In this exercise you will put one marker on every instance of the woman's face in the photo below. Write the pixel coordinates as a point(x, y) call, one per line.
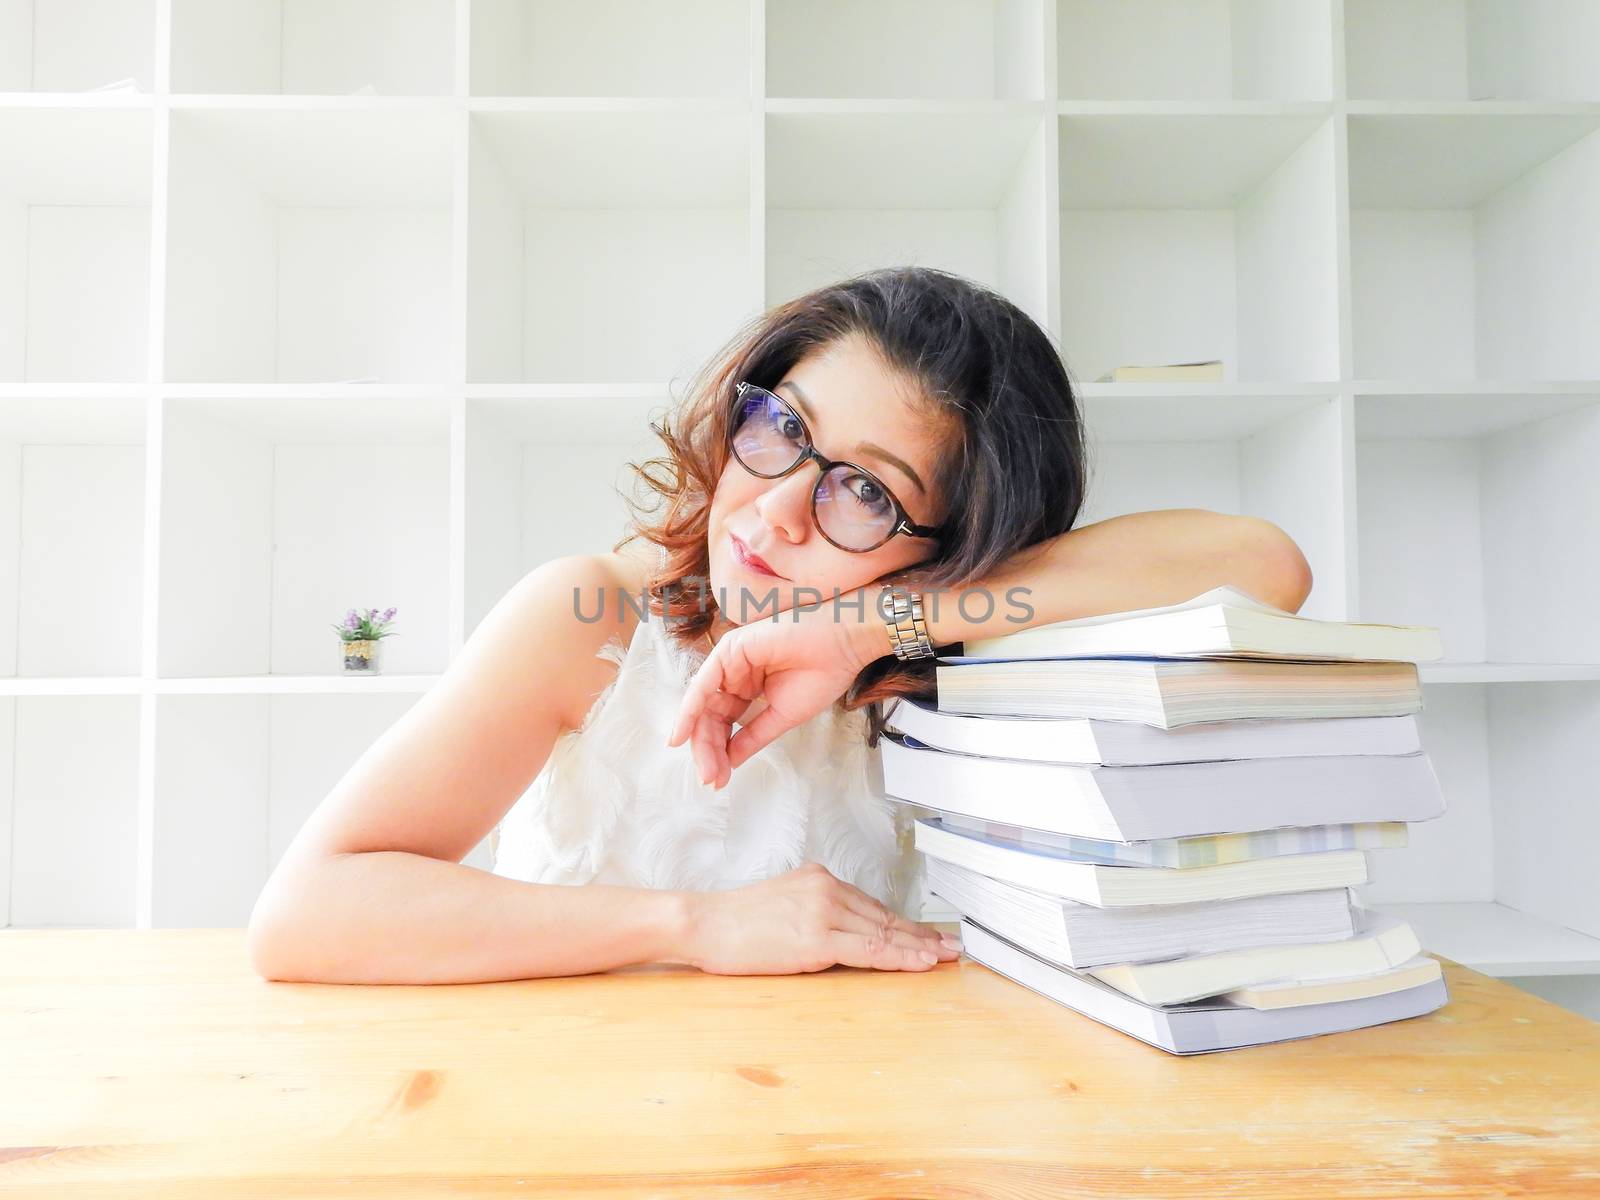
point(848, 397)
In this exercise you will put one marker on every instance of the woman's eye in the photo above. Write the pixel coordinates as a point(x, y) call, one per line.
point(867, 492)
point(791, 429)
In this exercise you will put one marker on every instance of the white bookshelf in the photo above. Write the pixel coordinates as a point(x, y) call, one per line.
point(367, 303)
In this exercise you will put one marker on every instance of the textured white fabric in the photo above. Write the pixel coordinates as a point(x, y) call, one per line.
point(613, 804)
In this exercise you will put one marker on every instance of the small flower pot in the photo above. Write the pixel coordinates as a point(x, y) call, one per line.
point(363, 657)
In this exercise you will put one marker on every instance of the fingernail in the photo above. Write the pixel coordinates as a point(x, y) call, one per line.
point(928, 956)
point(951, 941)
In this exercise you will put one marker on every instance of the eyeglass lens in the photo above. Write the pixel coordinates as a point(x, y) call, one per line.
point(852, 508)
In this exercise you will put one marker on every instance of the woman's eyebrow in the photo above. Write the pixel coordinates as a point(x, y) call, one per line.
point(871, 448)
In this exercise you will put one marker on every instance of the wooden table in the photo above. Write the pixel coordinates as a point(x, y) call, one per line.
point(156, 1063)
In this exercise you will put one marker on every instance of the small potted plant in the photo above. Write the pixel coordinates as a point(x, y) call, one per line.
point(362, 637)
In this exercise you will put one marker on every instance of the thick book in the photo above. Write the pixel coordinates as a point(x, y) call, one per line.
point(1419, 969)
point(1222, 621)
point(1167, 693)
point(1134, 804)
point(1380, 944)
point(1082, 936)
point(1112, 887)
point(1134, 743)
point(1201, 1027)
point(1202, 851)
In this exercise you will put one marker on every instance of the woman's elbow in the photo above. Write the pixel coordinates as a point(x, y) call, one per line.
point(274, 938)
point(1284, 567)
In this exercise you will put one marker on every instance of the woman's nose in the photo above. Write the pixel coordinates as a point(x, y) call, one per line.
point(786, 504)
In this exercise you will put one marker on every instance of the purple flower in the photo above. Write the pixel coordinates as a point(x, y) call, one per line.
point(366, 623)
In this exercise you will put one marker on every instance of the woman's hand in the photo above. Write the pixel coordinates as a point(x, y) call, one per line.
point(806, 919)
point(801, 660)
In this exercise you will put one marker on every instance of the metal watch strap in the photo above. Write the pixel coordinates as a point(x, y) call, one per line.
point(908, 635)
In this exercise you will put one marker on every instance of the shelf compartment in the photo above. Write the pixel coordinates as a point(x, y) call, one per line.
point(1472, 247)
point(76, 45)
point(1499, 940)
point(310, 245)
point(313, 47)
point(607, 245)
point(1197, 237)
point(1188, 50)
point(1504, 878)
point(281, 515)
point(72, 477)
point(1274, 457)
point(1134, 412)
point(906, 49)
point(69, 788)
point(75, 243)
point(610, 48)
point(1472, 49)
point(1470, 513)
point(274, 758)
point(546, 478)
point(962, 189)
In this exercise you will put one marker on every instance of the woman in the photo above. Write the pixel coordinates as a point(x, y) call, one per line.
point(904, 427)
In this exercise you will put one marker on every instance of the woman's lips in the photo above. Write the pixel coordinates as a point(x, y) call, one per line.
point(743, 556)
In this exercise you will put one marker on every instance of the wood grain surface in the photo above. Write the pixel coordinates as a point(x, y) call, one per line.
point(155, 1063)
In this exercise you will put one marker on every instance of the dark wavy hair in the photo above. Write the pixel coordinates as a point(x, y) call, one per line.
point(1012, 471)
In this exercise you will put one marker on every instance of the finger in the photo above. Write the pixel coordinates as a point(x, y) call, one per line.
point(870, 950)
point(856, 922)
point(875, 910)
point(739, 674)
point(767, 727)
point(710, 734)
point(707, 682)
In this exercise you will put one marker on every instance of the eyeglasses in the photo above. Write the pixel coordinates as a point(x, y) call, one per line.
point(851, 506)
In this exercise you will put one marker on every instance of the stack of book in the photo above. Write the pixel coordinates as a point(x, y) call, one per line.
point(1155, 818)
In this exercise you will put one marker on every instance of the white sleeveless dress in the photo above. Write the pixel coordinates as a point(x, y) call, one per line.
point(613, 804)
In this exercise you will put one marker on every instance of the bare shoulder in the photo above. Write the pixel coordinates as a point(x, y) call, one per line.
point(436, 781)
point(590, 599)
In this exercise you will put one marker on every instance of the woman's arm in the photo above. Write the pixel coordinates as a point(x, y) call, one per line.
point(1140, 560)
point(372, 888)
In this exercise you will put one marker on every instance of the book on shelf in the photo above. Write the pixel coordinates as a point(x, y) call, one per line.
point(1208, 371)
point(1157, 818)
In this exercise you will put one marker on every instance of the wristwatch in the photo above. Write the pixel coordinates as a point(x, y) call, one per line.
point(908, 635)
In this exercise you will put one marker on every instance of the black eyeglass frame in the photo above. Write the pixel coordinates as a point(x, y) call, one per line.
point(809, 453)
